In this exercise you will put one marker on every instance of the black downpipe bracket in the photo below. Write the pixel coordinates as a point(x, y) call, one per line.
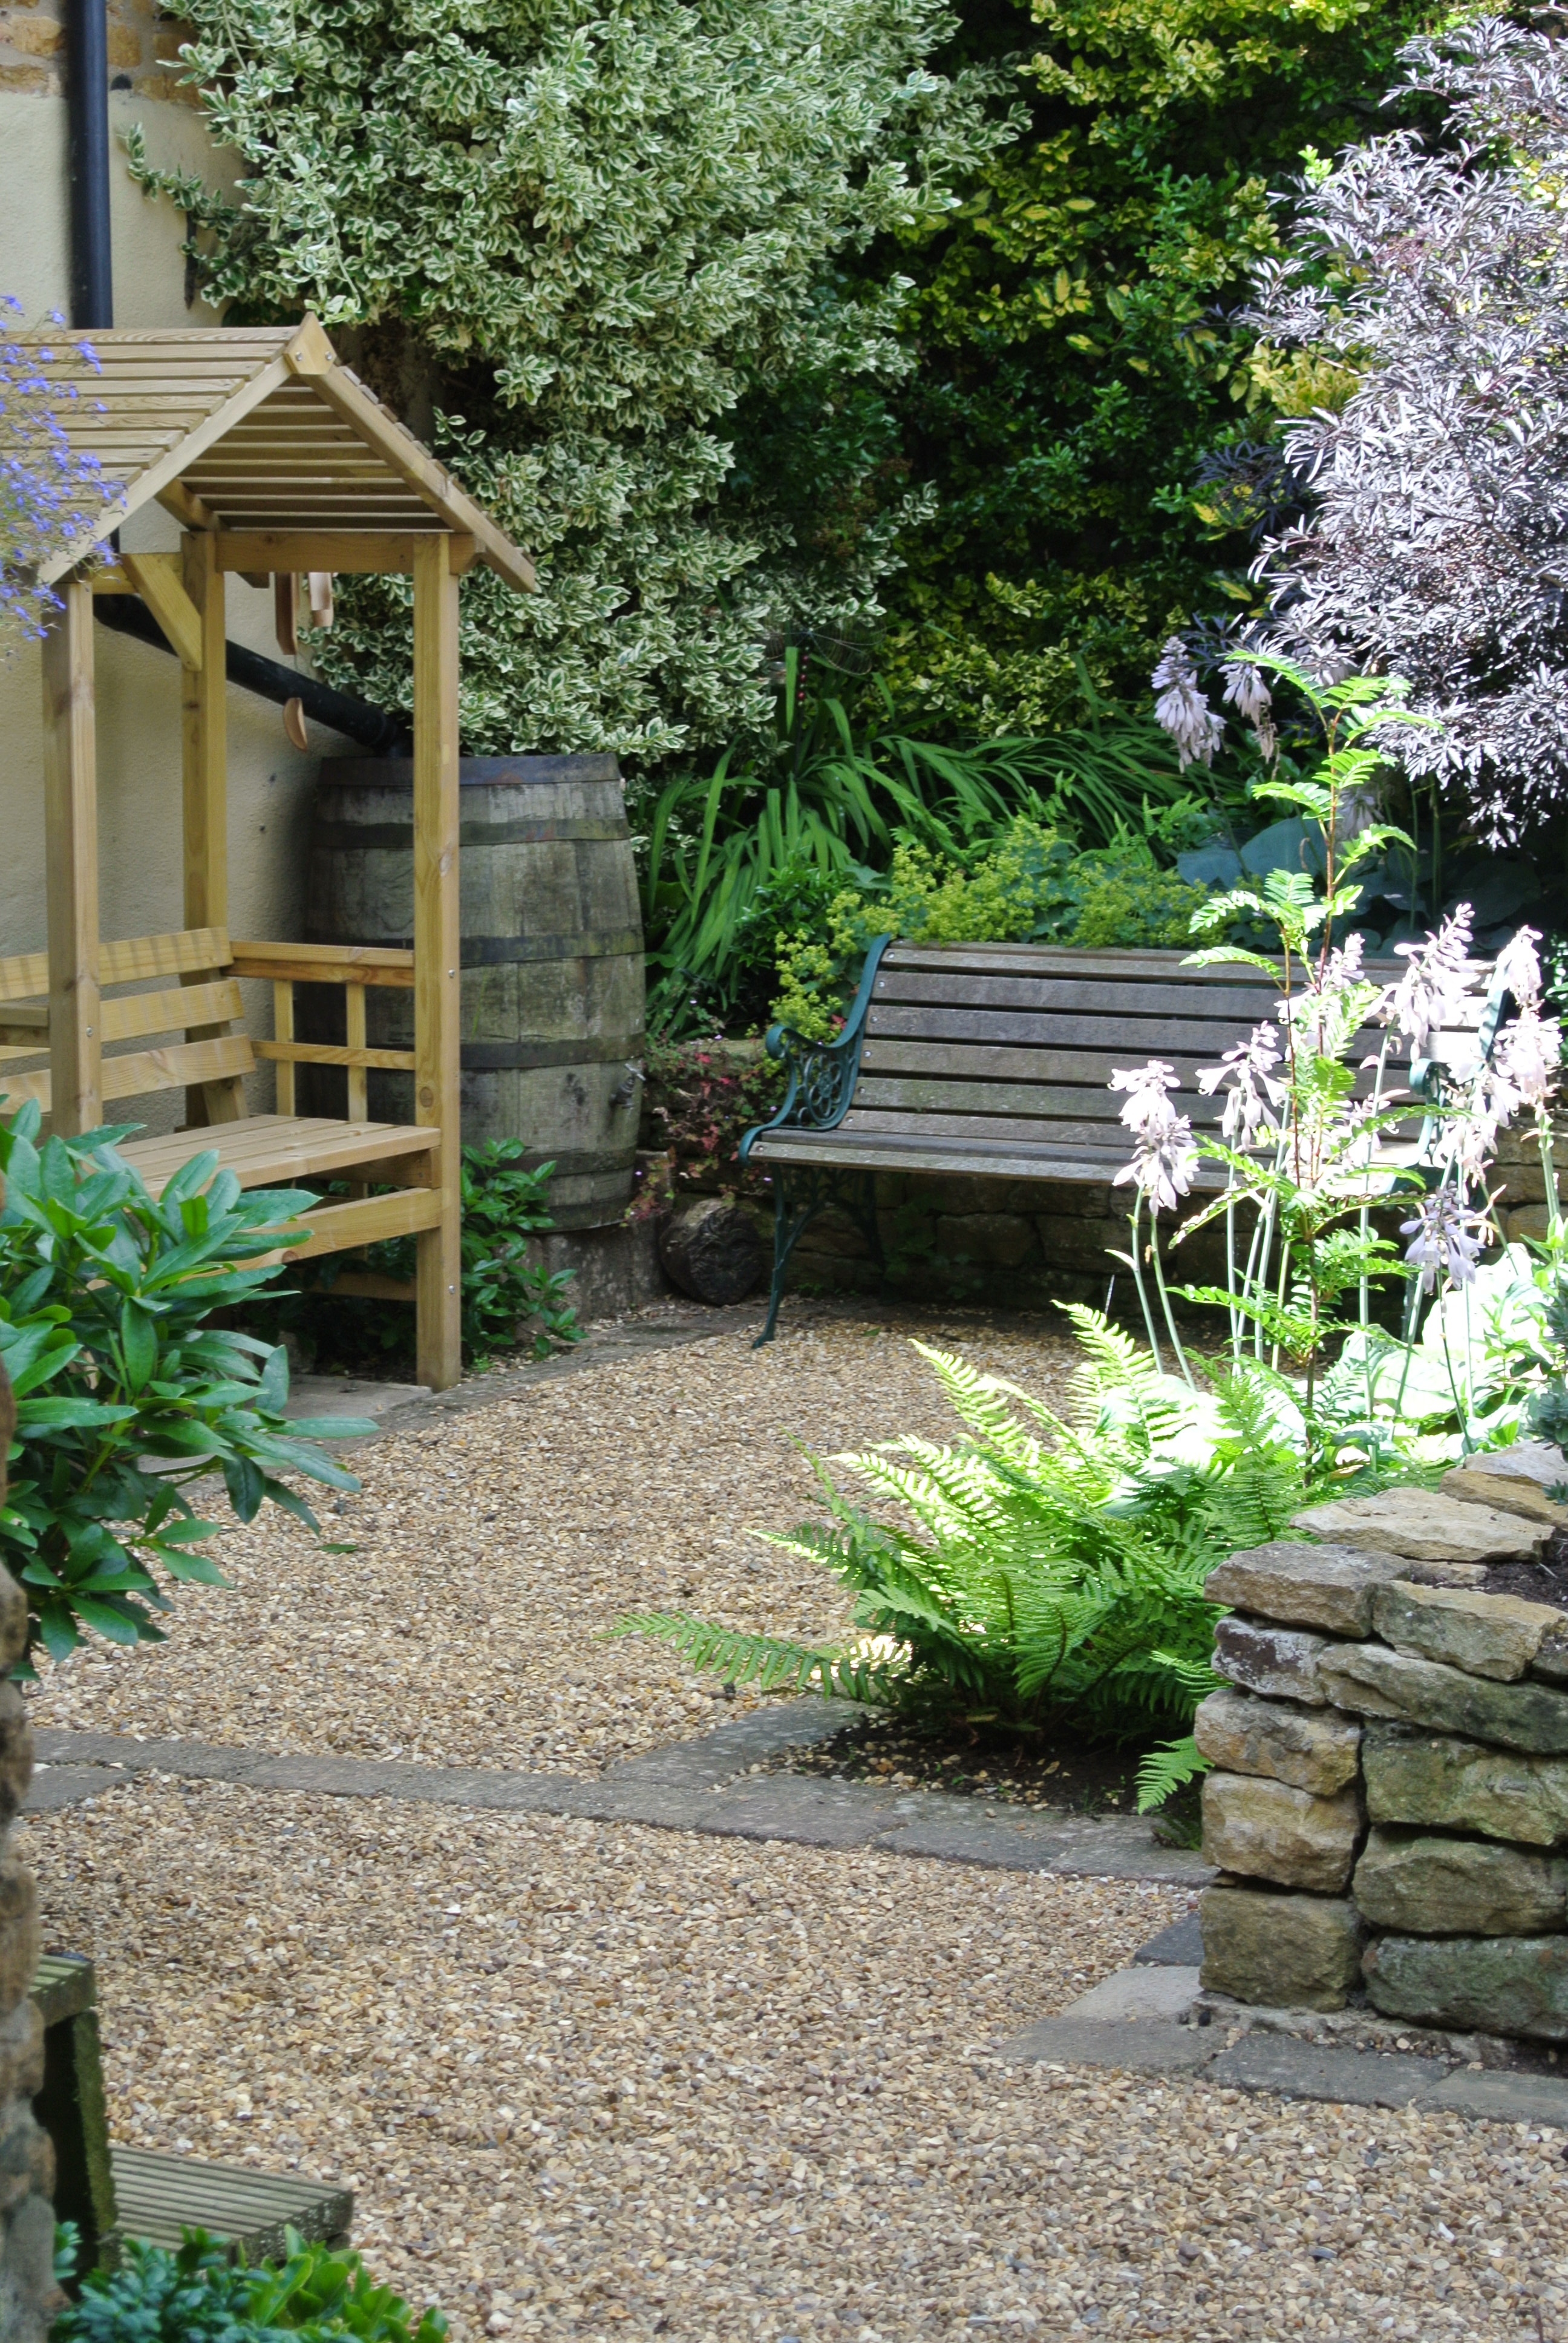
point(92, 272)
point(355, 720)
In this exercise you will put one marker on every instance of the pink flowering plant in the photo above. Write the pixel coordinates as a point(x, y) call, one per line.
point(1315, 1130)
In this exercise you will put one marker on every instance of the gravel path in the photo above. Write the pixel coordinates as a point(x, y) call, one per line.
point(487, 1554)
point(608, 2082)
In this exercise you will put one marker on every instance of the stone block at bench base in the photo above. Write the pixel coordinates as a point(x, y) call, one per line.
point(1266, 1830)
point(1413, 1776)
point(1419, 1883)
point(1311, 1749)
point(1300, 1952)
point(1491, 1985)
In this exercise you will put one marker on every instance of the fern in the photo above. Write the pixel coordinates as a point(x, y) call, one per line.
point(765, 1661)
point(1167, 1769)
point(1048, 1569)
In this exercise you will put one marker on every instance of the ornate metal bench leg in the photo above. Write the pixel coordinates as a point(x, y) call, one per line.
point(797, 1200)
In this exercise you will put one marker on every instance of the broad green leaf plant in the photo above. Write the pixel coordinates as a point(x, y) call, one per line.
point(126, 1390)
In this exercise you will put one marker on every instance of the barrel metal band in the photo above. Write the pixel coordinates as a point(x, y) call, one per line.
point(499, 1056)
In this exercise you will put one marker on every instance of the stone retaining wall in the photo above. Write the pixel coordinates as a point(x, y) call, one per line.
point(1389, 1807)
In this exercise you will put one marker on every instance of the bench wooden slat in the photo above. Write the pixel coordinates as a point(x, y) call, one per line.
point(134, 1015)
point(269, 1151)
point(1146, 1037)
point(1044, 1103)
point(1240, 1004)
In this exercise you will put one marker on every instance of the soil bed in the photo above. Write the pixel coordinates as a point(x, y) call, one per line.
point(1047, 1770)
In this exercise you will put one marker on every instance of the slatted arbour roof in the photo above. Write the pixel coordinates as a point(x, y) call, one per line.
point(254, 430)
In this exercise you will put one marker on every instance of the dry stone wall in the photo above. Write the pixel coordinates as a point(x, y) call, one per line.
point(1388, 1807)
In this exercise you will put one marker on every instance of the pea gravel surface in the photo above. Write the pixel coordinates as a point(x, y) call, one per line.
point(609, 2082)
point(450, 1613)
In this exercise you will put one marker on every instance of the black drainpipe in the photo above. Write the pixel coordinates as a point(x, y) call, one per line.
point(355, 720)
point(92, 271)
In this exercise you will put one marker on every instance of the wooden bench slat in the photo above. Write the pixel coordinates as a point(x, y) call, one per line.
point(1033, 1101)
point(997, 1159)
point(1240, 1004)
point(277, 1151)
point(1148, 1037)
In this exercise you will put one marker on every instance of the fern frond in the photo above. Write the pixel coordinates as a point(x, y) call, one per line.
point(768, 1661)
point(1167, 1769)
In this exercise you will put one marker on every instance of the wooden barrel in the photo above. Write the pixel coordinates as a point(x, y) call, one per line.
point(552, 1016)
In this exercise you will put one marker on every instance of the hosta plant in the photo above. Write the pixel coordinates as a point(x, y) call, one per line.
point(126, 1390)
point(1045, 1570)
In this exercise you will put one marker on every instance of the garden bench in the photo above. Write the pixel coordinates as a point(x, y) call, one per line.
point(130, 2192)
point(994, 1061)
point(155, 988)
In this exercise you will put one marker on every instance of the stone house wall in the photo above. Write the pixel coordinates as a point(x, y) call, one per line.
point(1389, 1807)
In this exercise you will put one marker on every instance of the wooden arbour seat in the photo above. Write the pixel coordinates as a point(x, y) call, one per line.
point(188, 984)
point(994, 1061)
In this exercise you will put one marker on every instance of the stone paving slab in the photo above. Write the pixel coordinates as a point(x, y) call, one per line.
point(1306, 2070)
point(809, 1813)
point(1140, 2046)
point(949, 1830)
point(1502, 2098)
point(731, 1749)
point(1181, 1945)
point(701, 1785)
point(1123, 1846)
point(439, 1786)
point(55, 1786)
point(1149, 1991)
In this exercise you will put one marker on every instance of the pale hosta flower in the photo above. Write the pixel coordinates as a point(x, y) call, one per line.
point(1445, 1238)
point(1519, 969)
point(1163, 1154)
point(1434, 984)
point(1528, 1056)
point(1247, 1071)
point(1249, 695)
point(1493, 1104)
point(1146, 1088)
point(1181, 708)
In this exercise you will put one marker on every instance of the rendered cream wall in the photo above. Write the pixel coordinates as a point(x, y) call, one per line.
point(138, 688)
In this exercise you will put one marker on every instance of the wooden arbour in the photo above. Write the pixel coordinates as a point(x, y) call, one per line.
point(276, 461)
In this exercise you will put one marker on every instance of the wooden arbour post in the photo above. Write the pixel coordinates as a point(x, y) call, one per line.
point(204, 789)
point(71, 850)
point(436, 995)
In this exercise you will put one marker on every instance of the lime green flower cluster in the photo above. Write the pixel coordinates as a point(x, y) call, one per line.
point(1031, 886)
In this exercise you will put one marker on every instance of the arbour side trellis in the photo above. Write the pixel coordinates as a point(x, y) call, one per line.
point(276, 461)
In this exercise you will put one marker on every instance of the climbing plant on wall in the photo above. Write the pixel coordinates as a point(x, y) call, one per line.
point(577, 236)
point(1075, 362)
